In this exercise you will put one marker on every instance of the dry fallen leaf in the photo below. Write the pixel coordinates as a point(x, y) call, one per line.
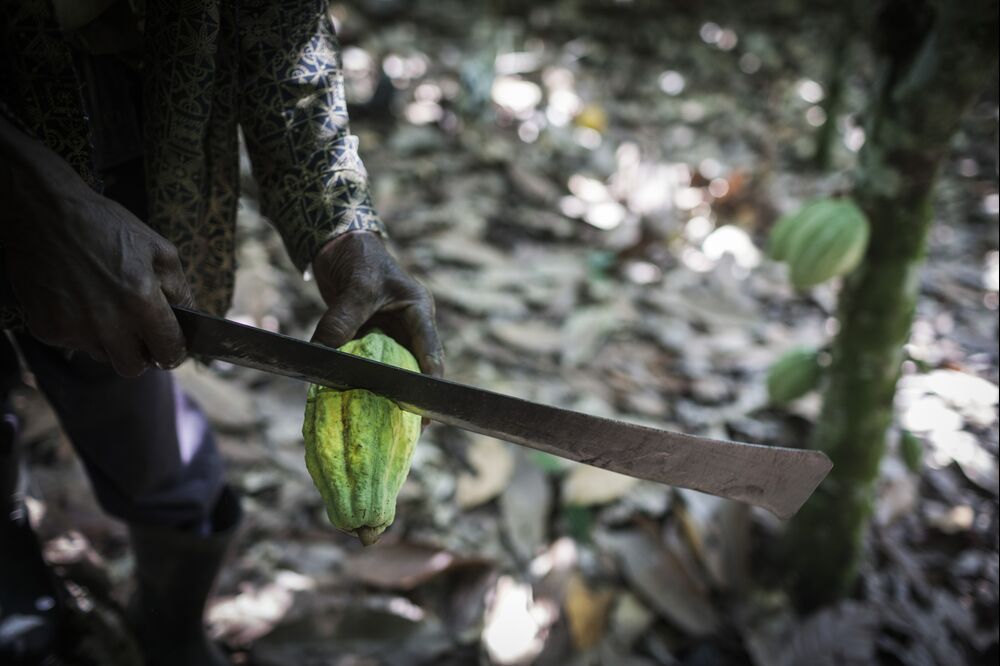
point(524, 508)
point(588, 486)
point(587, 329)
point(897, 492)
point(516, 623)
point(460, 249)
point(529, 336)
point(629, 619)
point(256, 609)
point(718, 533)
point(587, 612)
point(467, 294)
point(228, 404)
point(657, 576)
point(843, 635)
point(402, 566)
point(494, 465)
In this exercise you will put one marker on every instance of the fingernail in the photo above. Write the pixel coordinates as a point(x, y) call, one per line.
point(170, 365)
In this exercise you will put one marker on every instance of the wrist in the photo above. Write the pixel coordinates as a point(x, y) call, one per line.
point(333, 245)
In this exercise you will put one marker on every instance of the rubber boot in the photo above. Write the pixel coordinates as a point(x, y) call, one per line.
point(30, 608)
point(175, 571)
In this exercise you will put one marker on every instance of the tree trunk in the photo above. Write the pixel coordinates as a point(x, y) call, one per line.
point(840, 60)
point(936, 57)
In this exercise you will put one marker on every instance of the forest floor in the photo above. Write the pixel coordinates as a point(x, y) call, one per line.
point(587, 190)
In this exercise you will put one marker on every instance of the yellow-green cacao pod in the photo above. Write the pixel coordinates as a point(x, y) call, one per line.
point(793, 375)
point(359, 446)
point(831, 242)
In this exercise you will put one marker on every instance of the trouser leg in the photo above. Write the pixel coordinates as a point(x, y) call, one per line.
point(153, 463)
point(10, 373)
point(147, 448)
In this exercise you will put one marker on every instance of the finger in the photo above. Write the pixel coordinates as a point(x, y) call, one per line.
point(125, 352)
point(173, 282)
point(341, 322)
point(95, 350)
point(77, 348)
point(83, 338)
point(162, 335)
point(419, 322)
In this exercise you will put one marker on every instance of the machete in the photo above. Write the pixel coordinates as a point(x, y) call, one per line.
point(778, 479)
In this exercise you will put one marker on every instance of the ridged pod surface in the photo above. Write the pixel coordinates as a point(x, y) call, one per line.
point(793, 375)
point(359, 446)
point(792, 228)
point(824, 239)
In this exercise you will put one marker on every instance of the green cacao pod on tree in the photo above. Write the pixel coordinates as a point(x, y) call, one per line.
point(792, 228)
point(359, 446)
point(793, 375)
point(824, 239)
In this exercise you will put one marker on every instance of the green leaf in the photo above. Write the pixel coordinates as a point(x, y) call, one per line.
point(579, 522)
point(911, 448)
point(547, 462)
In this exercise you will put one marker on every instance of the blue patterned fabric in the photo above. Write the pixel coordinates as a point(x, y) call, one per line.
point(209, 68)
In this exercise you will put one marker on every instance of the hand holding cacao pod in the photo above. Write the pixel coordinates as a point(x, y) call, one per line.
point(364, 288)
point(359, 446)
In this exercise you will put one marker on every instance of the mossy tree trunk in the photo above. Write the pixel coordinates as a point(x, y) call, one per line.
point(836, 76)
point(935, 58)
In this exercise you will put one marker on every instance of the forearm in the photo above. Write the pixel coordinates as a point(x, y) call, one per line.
point(87, 274)
point(312, 198)
point(314, 186)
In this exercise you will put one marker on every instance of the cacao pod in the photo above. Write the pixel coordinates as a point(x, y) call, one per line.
point(835, 249)
point(792, 228)
point(359, 446)
point(825, 239)
point(793, 375)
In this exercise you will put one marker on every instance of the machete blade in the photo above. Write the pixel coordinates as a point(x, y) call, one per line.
point(778, 479)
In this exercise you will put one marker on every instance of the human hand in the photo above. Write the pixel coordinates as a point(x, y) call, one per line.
point(364, 287)
point(89, 276)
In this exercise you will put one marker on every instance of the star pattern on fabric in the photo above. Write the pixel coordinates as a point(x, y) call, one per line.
point(212, 67)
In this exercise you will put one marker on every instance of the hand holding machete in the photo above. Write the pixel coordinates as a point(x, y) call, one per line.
point(88, 274)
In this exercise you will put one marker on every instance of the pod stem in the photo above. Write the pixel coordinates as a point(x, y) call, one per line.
point(368, 535)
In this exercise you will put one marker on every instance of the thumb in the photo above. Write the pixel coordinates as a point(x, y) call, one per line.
point(341, 322)
point(173, 282)
point(177, 290)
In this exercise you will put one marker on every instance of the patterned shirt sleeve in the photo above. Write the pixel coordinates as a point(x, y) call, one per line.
point(294, 116)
